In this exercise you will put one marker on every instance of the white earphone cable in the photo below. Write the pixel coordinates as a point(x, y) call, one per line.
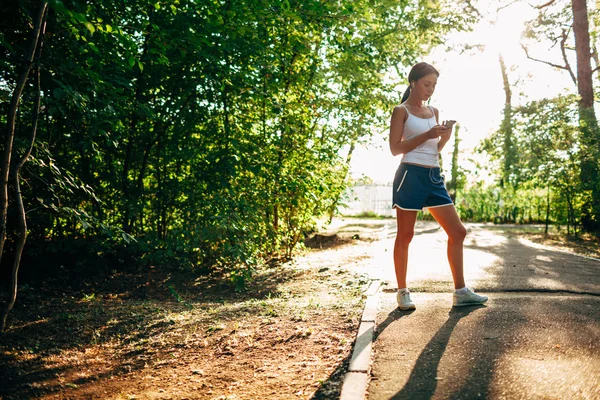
point(431, 177)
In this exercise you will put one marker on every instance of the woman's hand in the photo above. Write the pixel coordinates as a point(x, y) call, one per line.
point(444, 137)
point(438, 131)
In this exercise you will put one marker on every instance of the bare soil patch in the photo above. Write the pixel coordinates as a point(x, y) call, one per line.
point(176, 336)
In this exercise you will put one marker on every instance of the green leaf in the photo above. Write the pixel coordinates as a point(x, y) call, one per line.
point(140, 66)
point(79, 17)
point(131, 61)
point(90, 27)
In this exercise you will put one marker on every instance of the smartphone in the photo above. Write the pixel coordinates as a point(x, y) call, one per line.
point(449, 124)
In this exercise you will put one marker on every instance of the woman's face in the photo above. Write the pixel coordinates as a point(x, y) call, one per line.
point(425, 87)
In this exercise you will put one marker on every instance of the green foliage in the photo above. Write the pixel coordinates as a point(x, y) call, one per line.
point(555, 22)
point(590, 169)
point(457, 174)
point(547, 159)
point(212, 133)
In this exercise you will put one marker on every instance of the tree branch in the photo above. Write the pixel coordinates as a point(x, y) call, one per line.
point(565, 36)
point(542, 61)
point(473, 8)
point(546, 4)
point(36, 47)
point(596, 59)
point(508, 5)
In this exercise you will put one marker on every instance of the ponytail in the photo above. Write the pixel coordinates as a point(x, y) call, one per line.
point(406, 94)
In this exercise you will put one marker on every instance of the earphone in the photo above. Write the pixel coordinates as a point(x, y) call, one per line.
point(431, 177)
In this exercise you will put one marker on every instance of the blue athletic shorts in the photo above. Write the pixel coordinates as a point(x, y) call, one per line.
point(418, 187)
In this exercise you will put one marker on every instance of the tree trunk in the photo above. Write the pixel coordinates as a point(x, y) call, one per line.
point(453, 186)
point(130, 198)
point(506, 127)
point(547, 209)
point(15, 174)
point(582, 48)
point(590, 135)
point(11, 122)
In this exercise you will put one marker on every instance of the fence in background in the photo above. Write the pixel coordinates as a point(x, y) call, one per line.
point(363, 199)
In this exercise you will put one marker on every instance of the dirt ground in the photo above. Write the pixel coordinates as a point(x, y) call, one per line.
point(156, 335)
point(153, 336)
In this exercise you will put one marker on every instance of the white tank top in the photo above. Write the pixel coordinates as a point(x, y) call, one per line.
point(425, 154)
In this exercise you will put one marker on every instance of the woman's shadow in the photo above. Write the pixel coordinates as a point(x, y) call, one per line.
point(422, 382)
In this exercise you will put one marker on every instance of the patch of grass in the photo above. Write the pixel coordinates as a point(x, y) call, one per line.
point(88, 297)
point(299, 317)
point(369, 214)
point(270, 312)
point(214, 328)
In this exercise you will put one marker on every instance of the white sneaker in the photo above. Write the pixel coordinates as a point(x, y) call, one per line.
point(468, 299)
point(404, 302)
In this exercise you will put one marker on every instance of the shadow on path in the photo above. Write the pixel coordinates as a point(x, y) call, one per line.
point(393, 316)
point(422, 382)
point(520, 266)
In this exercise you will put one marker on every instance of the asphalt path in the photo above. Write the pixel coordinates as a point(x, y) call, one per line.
point(518, 346)
point(538, 337)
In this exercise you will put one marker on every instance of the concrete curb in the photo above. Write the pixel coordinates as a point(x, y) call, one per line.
point(356, 379)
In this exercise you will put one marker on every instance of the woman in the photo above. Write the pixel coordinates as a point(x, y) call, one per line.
point(416, 134)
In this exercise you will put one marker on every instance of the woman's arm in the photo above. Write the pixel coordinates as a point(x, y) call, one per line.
point(444, 137)
point(399, 146)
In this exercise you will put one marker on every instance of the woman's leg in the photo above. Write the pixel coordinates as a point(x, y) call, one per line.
point(447, 217)
point(406, 229)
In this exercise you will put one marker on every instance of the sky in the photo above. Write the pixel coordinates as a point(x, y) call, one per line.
point(470, 88)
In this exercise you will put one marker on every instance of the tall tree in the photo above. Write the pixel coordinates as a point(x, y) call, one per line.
point(506, 129)
point(26, 67)
point(457, 176)
point(500, 145)
point(575, 17)
point(590, 165)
